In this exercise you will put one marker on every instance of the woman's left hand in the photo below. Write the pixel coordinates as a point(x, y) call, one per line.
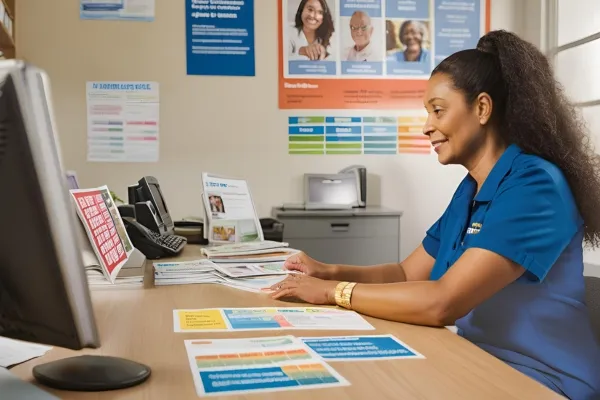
point(306, 288)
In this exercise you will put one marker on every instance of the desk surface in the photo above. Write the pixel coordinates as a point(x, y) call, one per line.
point(138, 324)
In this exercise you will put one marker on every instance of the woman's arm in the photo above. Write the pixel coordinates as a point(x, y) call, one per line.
point(475, 277)
point(416, 267)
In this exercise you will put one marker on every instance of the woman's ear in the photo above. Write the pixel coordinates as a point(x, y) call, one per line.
point(484, 108)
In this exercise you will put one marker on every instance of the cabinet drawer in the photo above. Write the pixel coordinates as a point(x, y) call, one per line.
point(340, 227)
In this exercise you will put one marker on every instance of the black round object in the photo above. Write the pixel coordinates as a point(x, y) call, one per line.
point(91, 373)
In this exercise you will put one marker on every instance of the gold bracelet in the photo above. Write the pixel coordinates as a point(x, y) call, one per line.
point(339, 288)
point(346, 296)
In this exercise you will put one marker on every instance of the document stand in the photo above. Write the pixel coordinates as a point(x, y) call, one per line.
point(91, 373)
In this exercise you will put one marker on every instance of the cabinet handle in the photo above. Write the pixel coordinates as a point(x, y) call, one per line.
point(344, 227)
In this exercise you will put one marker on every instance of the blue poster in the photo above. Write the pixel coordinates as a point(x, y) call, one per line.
point(220, 37)
point(457, 26)
point(355, 348)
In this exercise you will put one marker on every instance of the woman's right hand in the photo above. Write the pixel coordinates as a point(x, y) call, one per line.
point(313, 51)
point(302, 263)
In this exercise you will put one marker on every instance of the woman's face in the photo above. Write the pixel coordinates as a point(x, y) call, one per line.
point(453, 126)
point(412, 37)
point(312, 15)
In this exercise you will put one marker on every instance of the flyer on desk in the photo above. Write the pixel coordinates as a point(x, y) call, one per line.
point(104, 227)
point(360, 348)
point(235, 366)
point(267, 318)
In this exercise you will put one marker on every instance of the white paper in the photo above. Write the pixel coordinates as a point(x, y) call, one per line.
point(236, 366)
point(14, 352)
point(252, 269)
point(128, 10)
point(232, 217)
point(267, 318)
point(123, 121)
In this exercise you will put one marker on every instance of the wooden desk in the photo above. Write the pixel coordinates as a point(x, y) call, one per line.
point(138, 324)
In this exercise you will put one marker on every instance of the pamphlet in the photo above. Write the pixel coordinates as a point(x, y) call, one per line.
point(267, 318)
point(235, 366)
point(104, 227)
point(252, 269)
point(230, 210)
point(360, 348)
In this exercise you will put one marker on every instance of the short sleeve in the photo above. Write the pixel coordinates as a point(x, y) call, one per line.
point(530, 222)
point(433, 237)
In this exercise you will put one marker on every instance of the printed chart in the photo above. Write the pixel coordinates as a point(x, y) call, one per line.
point(123, 121)
point(250, 319)
point(357, 348)
point(332, 135)
point(230, 366)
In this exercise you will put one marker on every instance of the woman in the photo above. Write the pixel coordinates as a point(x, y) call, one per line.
point(504, 262)
point(311, 36)
point(411, 35)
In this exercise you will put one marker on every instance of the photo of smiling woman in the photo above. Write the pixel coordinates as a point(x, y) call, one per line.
point(310, 34)
point(413, 56)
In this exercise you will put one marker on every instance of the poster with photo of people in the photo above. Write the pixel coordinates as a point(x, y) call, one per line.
point(369, 53)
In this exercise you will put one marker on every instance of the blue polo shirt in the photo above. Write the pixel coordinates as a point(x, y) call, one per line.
point(538, 324)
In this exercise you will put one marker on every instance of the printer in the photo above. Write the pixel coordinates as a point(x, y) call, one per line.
point(344, 190)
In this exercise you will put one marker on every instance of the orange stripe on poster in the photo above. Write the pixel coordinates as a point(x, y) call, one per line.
point(383, 92)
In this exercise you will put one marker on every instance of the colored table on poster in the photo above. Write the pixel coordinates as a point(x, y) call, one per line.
point(220, 37)
point(237, 366)
point(267, 318)
point(371, 54)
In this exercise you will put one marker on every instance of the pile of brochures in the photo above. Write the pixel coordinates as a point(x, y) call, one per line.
point(252, 266)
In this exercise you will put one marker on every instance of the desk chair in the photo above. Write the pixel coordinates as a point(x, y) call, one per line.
point(592, 297)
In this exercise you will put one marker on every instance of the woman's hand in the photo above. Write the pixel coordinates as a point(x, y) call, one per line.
point(314, 51)
point(306, 288)
point(302, 263)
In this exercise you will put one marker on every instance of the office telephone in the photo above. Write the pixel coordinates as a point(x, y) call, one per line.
point(152, 244)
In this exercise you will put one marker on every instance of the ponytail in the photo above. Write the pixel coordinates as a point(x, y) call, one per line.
point(531, 111)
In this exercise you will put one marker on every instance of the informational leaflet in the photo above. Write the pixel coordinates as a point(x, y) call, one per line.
point(128, 10)
point(104, 227)
point(230, 210)
point(360, 348)
point(254, 269)
point(267, 318)
point(220, 37)
point(370, 54)
point(122, 121)
point(237, 366)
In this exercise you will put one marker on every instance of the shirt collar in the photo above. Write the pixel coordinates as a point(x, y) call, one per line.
point(498, 172)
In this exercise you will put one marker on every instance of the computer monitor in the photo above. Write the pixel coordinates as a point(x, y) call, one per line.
point(44, 294)
point(148, 189)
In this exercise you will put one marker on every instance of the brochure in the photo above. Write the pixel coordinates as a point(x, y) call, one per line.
point(230, 211)
point(104, 227)
point(360, 348)
point(267, 318)
point(237, 366)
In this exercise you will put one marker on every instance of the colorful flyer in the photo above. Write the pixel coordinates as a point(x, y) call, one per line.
point(369, 54)
point(267, 318)
point(360, 348)
point(236, 366)
point(104, 227)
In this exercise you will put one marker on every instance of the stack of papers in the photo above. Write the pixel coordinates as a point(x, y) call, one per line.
point(250, 252)
point(252, 277)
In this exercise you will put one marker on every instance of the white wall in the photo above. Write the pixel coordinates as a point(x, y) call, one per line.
point(217, 124)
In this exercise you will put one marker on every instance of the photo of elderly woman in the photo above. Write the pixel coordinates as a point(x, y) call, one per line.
point(413, 56)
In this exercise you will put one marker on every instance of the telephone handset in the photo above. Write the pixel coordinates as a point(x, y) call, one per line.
point(152, 244)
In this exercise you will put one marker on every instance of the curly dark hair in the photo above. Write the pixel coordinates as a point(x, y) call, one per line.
point(326, 29)
point(531, 110)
